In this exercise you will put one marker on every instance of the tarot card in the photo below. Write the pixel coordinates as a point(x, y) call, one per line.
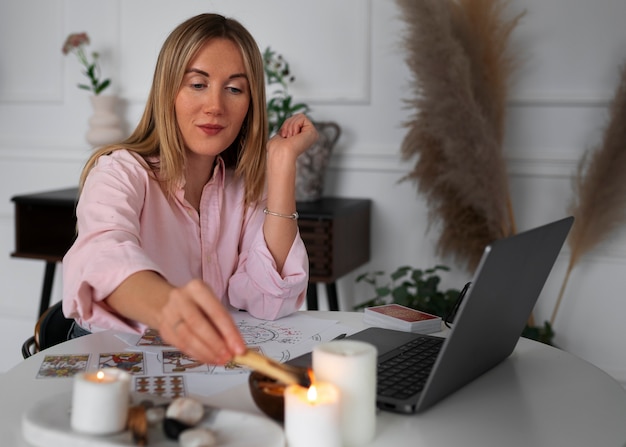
point(178, 362)
point(132, 362)
point(394, 316)
point(62, 365)
point(151, 338)
point(164, 386)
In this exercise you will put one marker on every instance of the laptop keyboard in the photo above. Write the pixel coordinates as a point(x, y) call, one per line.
point(405, 374)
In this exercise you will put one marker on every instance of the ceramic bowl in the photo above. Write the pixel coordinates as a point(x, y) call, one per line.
point(267, 394)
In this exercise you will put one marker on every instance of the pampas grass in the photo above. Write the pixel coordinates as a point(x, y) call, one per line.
point(457, 55)
point(599, 205)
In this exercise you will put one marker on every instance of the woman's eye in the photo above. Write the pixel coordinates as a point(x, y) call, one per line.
point(197, 86)
point(234, 90)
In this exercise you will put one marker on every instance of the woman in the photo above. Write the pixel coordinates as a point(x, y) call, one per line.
point(195, 211)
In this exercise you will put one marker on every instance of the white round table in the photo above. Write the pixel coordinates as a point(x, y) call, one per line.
point(539, 396)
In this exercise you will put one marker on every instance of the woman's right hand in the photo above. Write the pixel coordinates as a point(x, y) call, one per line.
point(195, 321)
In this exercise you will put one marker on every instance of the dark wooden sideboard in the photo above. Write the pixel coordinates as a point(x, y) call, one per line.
point(45, 228)
point(335, 231)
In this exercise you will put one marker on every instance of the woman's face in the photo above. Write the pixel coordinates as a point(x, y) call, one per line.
point(213, 99)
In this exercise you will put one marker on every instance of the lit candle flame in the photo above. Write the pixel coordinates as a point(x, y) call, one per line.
point(311, 394)
point(100, 375)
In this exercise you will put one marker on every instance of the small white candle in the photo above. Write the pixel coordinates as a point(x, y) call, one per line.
point(350, 365)
point(100, 401)
point(312, 416)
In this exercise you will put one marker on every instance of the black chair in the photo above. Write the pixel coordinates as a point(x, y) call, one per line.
point(51, 329)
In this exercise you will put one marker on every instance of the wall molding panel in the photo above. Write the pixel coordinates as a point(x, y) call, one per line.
point(40, 74)
point(57, 154)
point(597, 99)
point(338, 33)
point(553, 167)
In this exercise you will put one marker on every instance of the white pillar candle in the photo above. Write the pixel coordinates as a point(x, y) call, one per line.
point(350, 365)
point(312, 416)
point(100, 401)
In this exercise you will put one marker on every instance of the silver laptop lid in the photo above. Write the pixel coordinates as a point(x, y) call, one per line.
point(503, 293)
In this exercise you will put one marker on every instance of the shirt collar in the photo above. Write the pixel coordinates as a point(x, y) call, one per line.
point(219, 174)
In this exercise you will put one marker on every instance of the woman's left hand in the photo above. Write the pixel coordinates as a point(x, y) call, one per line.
point(296, 135)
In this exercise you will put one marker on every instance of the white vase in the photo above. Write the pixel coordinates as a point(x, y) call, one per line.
point(105, 126)
point(311, 165)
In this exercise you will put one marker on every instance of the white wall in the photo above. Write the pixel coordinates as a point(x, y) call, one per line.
point(349, 67)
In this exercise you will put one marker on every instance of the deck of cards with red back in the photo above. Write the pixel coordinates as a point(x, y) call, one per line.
point(401, 318)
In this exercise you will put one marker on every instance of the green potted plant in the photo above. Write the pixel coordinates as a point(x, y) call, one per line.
point(411, 287)
point(311, 166)
point(280, 105)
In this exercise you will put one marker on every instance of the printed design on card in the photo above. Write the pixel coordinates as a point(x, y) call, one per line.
point(178, 362)
point(62, 365)
point(163, 386)
point(268, 331)
point(132, 362)
point(151, 338)
point(316, 337)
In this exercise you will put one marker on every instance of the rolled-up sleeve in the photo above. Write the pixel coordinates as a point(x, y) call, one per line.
point(260, 289)
point(107, 249)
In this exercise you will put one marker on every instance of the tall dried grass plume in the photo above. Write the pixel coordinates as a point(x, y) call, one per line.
point(457, 53)
point(599, 203)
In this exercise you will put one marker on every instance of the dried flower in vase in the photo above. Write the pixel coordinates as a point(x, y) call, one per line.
point(76, 43)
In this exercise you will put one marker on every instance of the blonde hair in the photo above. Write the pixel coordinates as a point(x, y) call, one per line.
point(157, 136)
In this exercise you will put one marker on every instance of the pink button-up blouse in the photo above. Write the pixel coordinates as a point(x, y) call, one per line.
point(126, 223)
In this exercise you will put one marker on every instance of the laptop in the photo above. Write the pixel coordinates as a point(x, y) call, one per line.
point(487, 326)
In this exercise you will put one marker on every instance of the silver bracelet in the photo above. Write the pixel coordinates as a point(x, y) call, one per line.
point(293, 216)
